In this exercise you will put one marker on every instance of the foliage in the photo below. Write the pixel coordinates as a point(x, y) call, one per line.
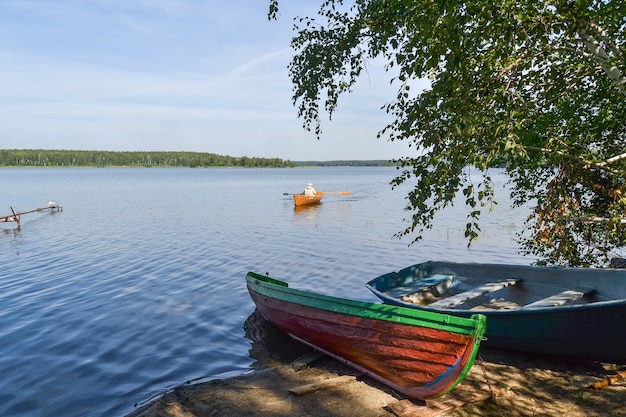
point(73, 158)
point(539, 85)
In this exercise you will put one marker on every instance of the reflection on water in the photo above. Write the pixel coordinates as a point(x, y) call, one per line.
point(270, 345)
point(337, 212)
point(13, 232)
point(308, 208)
point(307, 215)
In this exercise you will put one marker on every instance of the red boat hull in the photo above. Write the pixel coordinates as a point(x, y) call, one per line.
point(419, 362)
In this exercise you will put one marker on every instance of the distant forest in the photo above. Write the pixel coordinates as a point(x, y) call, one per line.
point(69, 158)
point(72, 158)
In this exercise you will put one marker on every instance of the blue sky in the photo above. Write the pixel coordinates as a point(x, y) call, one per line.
point(175, 75)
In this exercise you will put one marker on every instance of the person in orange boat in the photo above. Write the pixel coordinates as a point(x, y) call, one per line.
point(309, 190)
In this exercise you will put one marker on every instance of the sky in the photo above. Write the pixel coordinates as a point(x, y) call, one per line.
point(171, 75)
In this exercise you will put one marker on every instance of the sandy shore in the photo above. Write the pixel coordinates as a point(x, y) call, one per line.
point(499, 384)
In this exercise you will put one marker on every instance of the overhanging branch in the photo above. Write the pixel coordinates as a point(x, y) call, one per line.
point(587, 164)
point(609, 161)
point(595, 220)
point(600, 55)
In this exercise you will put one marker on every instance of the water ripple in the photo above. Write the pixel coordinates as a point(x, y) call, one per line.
point(138, 284)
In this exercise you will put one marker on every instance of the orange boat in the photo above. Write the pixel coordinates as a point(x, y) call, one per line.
point(303, 200)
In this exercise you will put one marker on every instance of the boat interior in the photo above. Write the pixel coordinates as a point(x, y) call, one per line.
point(442, 285)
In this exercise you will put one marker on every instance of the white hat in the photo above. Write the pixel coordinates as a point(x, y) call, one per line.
point(309, 185)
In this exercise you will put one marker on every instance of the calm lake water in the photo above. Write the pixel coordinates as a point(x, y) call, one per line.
point(138, 285)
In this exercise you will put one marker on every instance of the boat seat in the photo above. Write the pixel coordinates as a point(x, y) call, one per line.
point(496, 304)
point(462, 297)
point(430, 292)
point(561, 298)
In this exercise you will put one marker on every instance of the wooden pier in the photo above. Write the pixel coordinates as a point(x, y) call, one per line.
point(17, 215)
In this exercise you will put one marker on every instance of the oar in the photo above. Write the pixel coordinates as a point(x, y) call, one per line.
point(325, 192)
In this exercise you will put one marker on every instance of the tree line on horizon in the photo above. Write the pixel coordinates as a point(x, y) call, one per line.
point(77, 158)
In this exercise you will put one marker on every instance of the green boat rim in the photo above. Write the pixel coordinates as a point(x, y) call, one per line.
point(474, 325)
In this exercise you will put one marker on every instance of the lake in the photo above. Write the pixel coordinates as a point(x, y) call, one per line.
point(138, 285)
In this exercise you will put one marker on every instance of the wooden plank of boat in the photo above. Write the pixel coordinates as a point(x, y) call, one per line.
point(417, 353)
point(575, 312)
point(462, 297)
point(560, 299)
point(303, 200)
point(432, 289)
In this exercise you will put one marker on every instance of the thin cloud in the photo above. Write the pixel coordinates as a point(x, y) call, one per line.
point(168, 75)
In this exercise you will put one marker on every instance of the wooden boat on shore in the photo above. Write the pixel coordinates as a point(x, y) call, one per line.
point(577, 312)
point(304, 200)
point(417, 353)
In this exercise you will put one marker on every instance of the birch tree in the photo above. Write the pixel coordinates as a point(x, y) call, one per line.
point(536, 87)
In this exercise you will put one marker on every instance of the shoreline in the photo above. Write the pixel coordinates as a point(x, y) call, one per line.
point(499, 384)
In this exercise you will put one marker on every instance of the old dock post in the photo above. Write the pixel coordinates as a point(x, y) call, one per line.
point(17, 216)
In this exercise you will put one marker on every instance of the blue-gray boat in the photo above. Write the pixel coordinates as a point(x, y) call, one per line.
point(573, 312)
